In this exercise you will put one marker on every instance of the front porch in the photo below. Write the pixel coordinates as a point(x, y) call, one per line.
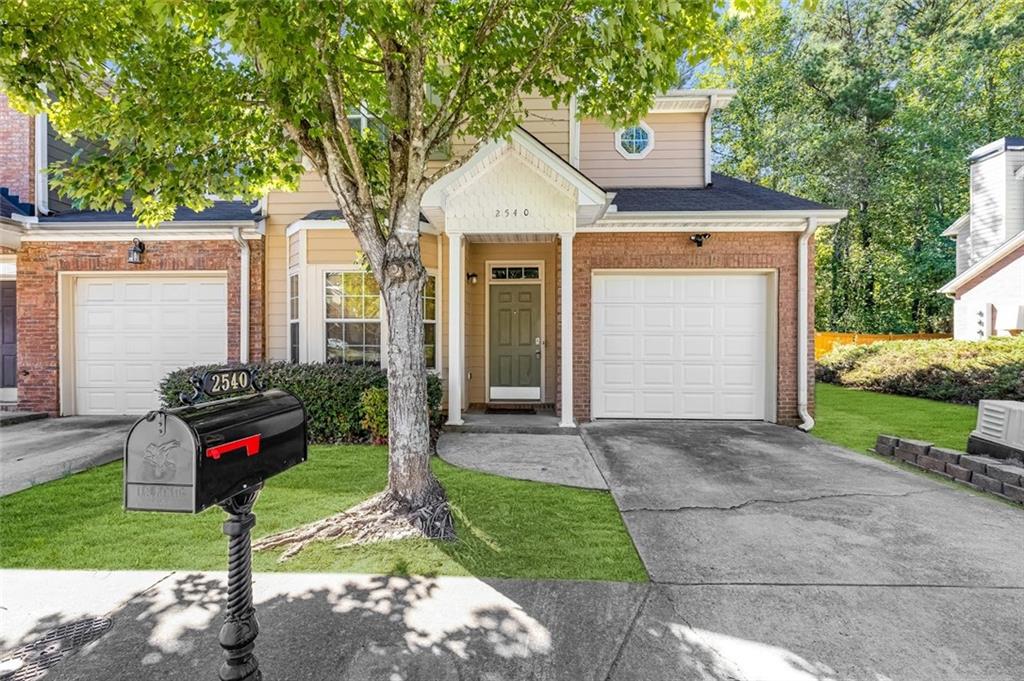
point(540, 421)
point(508, 219)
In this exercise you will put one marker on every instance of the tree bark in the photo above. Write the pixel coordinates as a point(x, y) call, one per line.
point(409, 476)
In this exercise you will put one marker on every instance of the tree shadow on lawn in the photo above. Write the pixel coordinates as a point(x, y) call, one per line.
point(360, 628)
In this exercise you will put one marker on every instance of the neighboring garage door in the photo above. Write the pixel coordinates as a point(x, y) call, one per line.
point(686, 346)
point(130, 331)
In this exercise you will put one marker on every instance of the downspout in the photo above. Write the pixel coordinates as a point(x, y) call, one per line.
point(243, 297)
point(807, 421)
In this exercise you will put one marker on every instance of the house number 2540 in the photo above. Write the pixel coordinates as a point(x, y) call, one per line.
point(511, 212)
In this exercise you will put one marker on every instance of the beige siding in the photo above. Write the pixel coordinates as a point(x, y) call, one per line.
point(476, 310)
point(550, 126)
point(294, 250)
point(284, 208)
point(677, 159)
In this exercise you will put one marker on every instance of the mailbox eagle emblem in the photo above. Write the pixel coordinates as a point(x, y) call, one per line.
point(160, 462)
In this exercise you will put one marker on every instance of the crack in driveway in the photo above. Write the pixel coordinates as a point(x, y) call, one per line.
point(750, 502)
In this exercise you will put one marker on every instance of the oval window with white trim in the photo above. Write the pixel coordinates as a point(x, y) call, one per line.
point(635, 142)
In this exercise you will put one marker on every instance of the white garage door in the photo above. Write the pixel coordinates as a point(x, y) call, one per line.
point(679, 346)
point(130, 331)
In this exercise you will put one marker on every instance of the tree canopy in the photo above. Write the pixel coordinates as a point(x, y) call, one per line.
point(874, 106)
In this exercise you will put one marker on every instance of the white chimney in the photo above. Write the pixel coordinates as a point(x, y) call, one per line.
point(997, 196)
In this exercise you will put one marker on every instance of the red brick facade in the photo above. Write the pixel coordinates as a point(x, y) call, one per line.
point(726, 250)
point(17, 152)
point(39, 264)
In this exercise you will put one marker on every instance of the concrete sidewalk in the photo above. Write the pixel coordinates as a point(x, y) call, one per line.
point(376, 628)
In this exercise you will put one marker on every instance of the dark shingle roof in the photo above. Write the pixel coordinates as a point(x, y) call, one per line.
point(220, 210)
point(335, 215)
point(324, 215)
point(10, 205)
point(725, 193)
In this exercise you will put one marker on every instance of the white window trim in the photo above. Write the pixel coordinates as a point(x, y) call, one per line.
point(539, 264)
point(313, 315)
point(639, 155)
point(381, 316)
point(293, 272)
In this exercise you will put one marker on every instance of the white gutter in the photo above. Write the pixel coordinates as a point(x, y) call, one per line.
point(801, 331)
point(243, 297)
point(825, 215)
point(42, 184)
point(707, 139)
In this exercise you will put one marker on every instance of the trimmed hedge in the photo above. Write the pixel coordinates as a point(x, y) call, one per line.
point(946, 370)
point(331, 394)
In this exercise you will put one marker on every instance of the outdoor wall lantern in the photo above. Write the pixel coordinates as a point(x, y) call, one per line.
point(136, 251)
point(472, 278)
point(699, 239)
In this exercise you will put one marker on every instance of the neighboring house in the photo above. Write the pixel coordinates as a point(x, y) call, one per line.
point(689, 294)
point(988, 290)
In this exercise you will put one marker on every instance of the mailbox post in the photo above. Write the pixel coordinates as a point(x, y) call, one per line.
point(218, 452)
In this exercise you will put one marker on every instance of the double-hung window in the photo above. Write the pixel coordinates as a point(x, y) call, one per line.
point(352, 318)
point(293, 317)
point(430, 321)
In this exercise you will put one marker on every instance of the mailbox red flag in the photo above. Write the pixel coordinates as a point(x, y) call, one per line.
point(251, 445)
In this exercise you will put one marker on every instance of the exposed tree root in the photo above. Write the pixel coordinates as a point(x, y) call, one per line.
point(383, 517)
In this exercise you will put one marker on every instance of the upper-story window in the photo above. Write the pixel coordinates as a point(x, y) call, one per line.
point(636, 141)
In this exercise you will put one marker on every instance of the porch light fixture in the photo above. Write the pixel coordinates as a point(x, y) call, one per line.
point(472, 278)
point(135, 252)
point(699, 239)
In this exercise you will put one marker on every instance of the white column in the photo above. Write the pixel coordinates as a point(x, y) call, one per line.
point(566, 349)
point(456, 358)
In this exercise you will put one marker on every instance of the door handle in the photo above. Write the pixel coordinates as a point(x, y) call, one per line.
point(536, 341)
point(537, 354)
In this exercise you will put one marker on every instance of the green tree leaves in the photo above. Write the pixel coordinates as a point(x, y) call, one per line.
point(873, 106)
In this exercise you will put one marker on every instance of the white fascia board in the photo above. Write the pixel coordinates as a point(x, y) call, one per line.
point(314, 225)
point(979, 268)
point(11, 233)
point(824, 217)
point(140, 233)
point(957, 225)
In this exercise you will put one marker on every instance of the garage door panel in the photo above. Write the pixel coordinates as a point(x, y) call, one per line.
point(697, 318)
point(658, 404)
point(696, 351)
point(130, 332)
point(660, 346)
point(621, 317)
point(617, 374)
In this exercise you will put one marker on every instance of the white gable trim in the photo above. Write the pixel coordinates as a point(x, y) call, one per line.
point(961, 222)
point(590, 199)
point(979, 268)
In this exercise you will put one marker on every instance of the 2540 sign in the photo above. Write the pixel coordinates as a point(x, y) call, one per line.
point(511, 212)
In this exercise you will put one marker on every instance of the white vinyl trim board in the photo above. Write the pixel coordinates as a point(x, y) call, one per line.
point(673, 345)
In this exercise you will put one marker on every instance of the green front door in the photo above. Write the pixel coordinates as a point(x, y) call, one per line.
point(515, 342)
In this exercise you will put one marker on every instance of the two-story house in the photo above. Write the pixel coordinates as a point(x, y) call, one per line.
point(602, 273)
point(988, 290)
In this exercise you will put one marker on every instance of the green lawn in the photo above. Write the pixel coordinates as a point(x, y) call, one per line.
point(506, 528)
point(853, 418)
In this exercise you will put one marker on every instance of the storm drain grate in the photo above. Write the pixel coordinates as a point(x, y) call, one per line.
point(32, 661)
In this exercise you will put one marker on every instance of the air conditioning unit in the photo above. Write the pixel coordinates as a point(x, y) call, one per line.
point(1000, 429)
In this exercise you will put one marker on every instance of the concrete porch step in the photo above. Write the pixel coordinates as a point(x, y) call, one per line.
point(541, 423)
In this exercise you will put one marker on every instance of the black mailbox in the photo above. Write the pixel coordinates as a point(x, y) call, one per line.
point(189, 458)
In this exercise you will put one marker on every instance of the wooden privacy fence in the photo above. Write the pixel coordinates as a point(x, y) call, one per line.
point(824, 341)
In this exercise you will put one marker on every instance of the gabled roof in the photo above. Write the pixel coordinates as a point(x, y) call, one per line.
point(961, 222)
point(981, 268)
point(724, 194)
point(220, 211)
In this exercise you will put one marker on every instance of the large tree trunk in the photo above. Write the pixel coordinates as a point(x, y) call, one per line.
point(409, 476)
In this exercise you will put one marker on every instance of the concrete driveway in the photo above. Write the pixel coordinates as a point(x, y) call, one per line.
point(39, 451)
point(777, 556)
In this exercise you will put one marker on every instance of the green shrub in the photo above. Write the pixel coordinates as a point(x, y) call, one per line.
point(374, 404)
point(946, 370)
point(330, 392)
